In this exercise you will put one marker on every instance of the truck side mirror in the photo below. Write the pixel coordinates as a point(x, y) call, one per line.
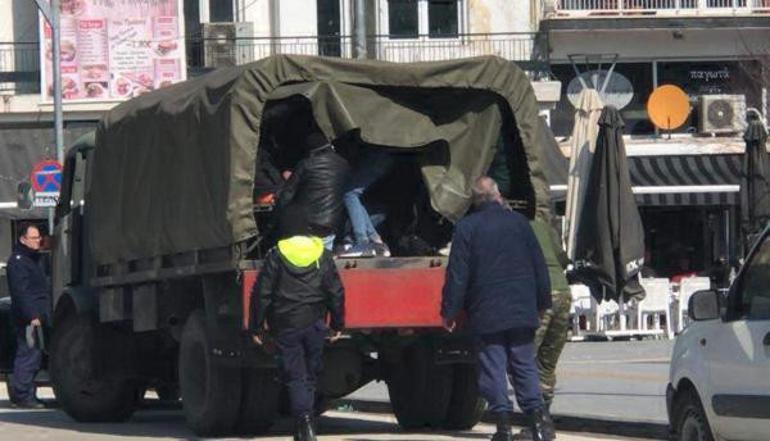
point(704, 305)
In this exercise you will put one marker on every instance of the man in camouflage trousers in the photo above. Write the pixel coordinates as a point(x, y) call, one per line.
point(551, 336)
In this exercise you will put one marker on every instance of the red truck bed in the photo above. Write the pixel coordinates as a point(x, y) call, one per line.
point(382, 292)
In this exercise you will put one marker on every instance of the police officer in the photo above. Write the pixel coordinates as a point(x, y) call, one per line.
point(296, 287)
point(497, 273)
point(29, 305)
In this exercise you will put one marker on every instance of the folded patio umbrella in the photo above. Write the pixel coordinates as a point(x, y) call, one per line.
point(583, 143)
point(609, 242)
point(755, 185)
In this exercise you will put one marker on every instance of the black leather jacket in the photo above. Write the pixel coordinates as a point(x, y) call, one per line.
point(317, 185)
point(291, 298)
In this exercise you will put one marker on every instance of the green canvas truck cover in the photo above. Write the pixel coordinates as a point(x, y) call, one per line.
point(174, 169)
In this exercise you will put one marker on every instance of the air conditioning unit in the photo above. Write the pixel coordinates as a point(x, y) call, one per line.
point(721, 114)
point(227, 44)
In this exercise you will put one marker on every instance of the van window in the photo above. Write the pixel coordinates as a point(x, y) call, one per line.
point(755, 287)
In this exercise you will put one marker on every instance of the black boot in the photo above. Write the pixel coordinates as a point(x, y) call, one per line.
point(304, 430)
point(537, 426)
point(541, 428)
point(503, 428)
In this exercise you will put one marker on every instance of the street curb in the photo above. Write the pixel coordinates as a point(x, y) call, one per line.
point(569, 423)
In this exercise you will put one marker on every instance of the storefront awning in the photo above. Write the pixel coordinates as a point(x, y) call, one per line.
point(683, 180)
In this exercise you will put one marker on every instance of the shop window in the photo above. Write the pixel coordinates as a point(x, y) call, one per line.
point(403, 18)
point(434, 18)
point(634, 114)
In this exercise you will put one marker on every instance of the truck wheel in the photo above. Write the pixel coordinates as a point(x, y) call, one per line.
point(210, 390)
point(260, 401)
point(466, 405)
point(419, 389)
point(692, 424)
point(85, 394)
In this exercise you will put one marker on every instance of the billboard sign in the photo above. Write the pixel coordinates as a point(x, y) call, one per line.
point(113, 50)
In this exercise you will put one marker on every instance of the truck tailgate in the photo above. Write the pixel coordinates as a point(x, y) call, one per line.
point(382, 293)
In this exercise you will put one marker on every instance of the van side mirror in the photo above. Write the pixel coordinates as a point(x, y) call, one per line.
point(704, 305)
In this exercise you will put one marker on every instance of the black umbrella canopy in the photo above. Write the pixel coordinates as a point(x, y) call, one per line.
point(755, 185)
point(609, 245)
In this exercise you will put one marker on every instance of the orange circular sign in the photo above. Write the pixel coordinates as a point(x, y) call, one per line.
point(668, 107)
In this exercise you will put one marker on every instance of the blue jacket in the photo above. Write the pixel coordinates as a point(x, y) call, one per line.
point(496, 272)
point(28, 285)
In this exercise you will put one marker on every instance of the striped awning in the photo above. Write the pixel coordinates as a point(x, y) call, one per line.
point(683, 180)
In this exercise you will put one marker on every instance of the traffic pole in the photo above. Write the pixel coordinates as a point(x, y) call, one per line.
point(52, 12)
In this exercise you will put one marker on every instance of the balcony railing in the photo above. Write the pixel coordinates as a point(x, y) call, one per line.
point(19, 68)
point(581, 8)
point(518, 47)
point(20, 62)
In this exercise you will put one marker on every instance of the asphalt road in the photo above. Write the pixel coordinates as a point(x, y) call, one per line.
point(608, 390)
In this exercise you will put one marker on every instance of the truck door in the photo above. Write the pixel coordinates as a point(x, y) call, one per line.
point(739, 354)
point(67, 253)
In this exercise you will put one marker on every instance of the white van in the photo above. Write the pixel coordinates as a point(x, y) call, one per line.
point(719, 386)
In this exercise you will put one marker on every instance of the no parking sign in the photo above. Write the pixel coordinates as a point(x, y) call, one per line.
point(46, 179)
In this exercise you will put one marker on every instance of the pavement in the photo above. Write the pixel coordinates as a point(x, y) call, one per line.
point(606, 391)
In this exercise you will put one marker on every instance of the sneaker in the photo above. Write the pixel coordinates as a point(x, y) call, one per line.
point(446, 250)
point(382, 250)
point(359, 250)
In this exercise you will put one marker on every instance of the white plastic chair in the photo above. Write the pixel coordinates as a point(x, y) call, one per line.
point(687, 288)
point(604, 314)
point(581, 307)
point(657, 302)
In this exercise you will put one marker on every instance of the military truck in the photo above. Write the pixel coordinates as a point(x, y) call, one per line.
point(158, 239)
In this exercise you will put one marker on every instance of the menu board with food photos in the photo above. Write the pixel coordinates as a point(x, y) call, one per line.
point(115, 49)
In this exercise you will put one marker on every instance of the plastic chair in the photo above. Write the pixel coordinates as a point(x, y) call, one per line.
point(656, 303)
point(581, 307)
point(687, 288)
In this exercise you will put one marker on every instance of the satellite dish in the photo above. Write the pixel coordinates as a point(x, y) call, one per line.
point(614, 88)
point(668, 107)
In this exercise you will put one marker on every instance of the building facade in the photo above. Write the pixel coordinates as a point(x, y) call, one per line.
point(687, 179)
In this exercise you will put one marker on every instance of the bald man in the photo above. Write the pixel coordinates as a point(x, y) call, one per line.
point(497, 274)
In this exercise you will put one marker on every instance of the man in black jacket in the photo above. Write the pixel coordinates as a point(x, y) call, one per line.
point(29, 305)
point(498, 275)
point(317, 185)
point(297, 285)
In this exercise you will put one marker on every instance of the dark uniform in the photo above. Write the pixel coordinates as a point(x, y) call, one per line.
point(30, 295)
point(497, 274)
point(297, 285)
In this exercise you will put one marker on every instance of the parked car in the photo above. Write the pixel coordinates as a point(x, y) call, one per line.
point(719, 386)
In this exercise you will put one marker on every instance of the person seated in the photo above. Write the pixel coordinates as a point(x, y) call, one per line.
point(374, 165)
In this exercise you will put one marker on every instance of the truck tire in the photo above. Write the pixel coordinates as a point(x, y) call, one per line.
point(260, 401)
point(210, 390)
point(419, 388)
point(466, 405)
point(110, 397)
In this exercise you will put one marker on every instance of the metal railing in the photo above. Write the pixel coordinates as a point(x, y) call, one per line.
point(19, 67)
point(217, 52)
point(20, 62)
point(568, 8)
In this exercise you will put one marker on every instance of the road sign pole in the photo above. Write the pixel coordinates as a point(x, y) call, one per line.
point(51, 12)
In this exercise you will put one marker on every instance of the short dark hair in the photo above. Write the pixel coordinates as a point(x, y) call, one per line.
point(24, 229)
point(292, 221)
